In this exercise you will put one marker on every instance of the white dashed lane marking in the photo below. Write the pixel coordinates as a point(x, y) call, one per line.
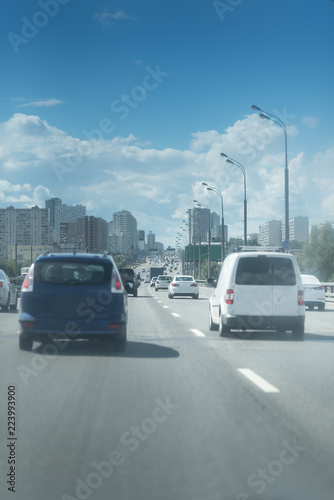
point(198, 332)
point(257, 380)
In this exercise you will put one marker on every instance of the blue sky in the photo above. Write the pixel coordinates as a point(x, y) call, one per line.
point(127, 105)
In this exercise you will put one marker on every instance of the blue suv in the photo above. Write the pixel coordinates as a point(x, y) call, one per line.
point(73, 296)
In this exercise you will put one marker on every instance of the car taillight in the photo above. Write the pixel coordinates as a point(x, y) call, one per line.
point(28, 283)
point(175, 284)
point(300, 297)
point(1, 284)
point(28, 324)
point(229, 296)
point(193, 284)
point(116, 283)
point(319, 288)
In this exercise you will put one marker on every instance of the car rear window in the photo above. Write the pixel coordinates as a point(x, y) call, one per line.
point(184, 278)
point(263, 270)
point(72, 273)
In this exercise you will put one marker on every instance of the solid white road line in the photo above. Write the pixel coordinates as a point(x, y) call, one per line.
point(176, 315)
point(257, 380)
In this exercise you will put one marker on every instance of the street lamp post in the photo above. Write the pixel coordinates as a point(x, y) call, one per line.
point(242, 168)
point(269, 116)
point(209, 236)
point(215, 190)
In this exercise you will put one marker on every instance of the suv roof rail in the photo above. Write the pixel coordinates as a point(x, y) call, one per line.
point(259, 249)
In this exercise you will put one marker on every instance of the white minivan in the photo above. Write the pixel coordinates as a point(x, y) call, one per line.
point(258, 290)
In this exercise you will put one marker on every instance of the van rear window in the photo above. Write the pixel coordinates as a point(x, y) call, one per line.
point(72, 273)
point(263, 270)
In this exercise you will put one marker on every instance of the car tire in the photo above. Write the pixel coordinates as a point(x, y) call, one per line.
point(6, 307)
point(25, 343)
point(13, 307)
point(310, 308)
point(244, 334)
point(223, 329)
point(121, 342)
point(135, 292)
point(298, 333)
point(321, 307)
point(195, 296)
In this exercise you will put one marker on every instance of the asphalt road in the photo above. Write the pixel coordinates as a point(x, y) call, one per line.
point(184, 414)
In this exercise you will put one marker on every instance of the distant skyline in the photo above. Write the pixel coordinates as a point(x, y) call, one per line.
point(128, 106)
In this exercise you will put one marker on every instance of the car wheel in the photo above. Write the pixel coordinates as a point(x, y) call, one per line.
point(321, 307)
point(298, 333)
point(25, 343)
point(13, 307)
point(195, 296)
point(135, 292)
point(120, 342)
point(310, 308)
point(223, 329)
point(6, 307)
point(244, 334)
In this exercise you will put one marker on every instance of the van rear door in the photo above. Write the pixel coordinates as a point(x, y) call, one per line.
point(253, 291)
point(285, 283)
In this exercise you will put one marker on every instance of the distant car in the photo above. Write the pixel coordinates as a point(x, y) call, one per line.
point(162, 282)
point(182, 286)
point(8, 293)
point(73, 296)
point(153, 280)
point(314, 292)
point(146, 280)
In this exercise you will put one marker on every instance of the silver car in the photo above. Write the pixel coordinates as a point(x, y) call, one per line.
point(162, 282)
point(8, 293)
point(314, 293)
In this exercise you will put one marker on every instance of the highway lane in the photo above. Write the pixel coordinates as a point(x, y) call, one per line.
point(174, 417)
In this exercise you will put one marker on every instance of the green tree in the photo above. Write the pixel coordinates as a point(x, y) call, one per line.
point(8, 266)
point(318, 254)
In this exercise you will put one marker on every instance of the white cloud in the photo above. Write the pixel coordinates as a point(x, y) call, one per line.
point(40, 103)
point(158, 186)
point(106, 17)
point(310, 121)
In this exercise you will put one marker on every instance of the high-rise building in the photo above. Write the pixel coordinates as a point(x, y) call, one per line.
point(141, 239)
point(198, 224)
point(151, 241)
point(124, 237)
point(298, 229)
point(51, 205)
point(270, 233)
point(92, 233)
point(65, 213)
point(23, 226)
